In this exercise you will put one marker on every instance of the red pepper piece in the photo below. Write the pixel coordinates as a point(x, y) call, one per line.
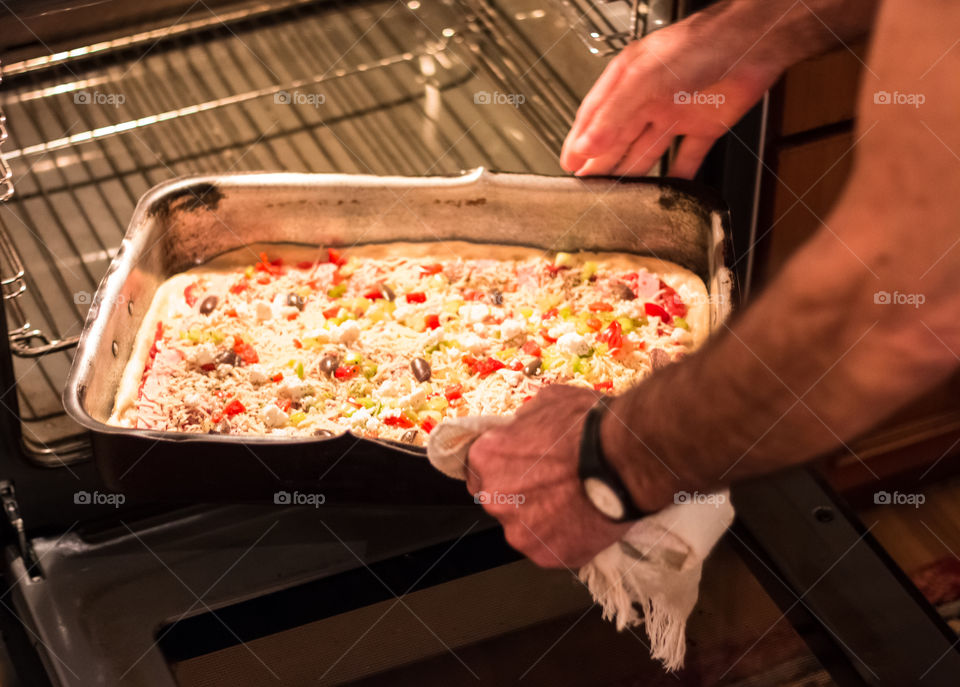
point(285, 404)
point(516, 366)
point(432, 321)
point(473, 295)
point(297, 343)
point(246, 352)
point(531, 347)
point(208, 367)
point(545, 333)
point(552, 312)
point(234, 407)
point(305, 265)
point(335, 257)
point(375, 294)
point(428, 425)
point(671, 301)
point(189, 296)
point(600, 307)
point(453, 391)
point(603, 386)
point(331, 312)
point(239, 287)
point(416, 297)
point(346, 371)
point(427, 270)
point(398, 421)
point(595, 324)
point(488, 366)
point(232, 312)
point(277, 377)
point(654, 310)
point(612, 336)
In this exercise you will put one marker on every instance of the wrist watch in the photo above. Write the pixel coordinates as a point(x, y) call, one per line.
point(601, 483)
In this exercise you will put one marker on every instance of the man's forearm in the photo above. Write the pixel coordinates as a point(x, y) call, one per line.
point(780, 32)
point(809, 366)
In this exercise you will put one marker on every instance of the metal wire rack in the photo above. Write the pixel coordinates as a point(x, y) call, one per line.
point(377, 87)
point(607, 26)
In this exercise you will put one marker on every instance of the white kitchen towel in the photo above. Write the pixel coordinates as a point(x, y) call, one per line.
point(652, 575)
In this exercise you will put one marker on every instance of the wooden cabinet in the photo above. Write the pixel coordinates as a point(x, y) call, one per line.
point(810, 153)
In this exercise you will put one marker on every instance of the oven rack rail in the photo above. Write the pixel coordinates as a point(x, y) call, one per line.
point(481, 46)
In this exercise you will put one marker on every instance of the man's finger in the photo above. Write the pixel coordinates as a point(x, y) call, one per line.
point(690, 155)
point(644, 152)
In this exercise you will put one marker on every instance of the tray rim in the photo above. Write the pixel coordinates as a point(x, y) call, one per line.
point(72, 395)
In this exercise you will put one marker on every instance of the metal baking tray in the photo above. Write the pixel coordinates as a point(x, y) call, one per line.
point(187, 221)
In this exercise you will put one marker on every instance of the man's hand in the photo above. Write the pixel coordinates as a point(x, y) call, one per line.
point(655, 90)
point(698, 77)
point(528, 471)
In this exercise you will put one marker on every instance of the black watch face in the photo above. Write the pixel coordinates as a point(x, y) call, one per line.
point(604, 498)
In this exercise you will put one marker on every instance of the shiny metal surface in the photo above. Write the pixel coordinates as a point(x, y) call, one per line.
point(188, 221)
point(95, 122)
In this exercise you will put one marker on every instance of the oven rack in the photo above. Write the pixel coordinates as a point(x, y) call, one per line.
point(402, 84)
point(607, 26)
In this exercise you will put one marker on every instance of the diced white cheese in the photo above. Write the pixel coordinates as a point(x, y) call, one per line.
point(346, 333)
point(257, 374)
point(511, 328)
point(473, 312)
point(202, 354)
point(512, 377)
point(414, 399)
point(573, 343)
point(473, 343)
point(272, 416)
point(404, 311)
point(263, 310)
point(394, 388)
point(432, 337)
point(681, 336)
point(559, 330)
point(193, 400)
point(293, 387)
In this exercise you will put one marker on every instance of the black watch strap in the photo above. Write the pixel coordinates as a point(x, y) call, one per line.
point(600, 481)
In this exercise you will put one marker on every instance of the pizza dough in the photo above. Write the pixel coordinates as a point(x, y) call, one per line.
point(389, 340)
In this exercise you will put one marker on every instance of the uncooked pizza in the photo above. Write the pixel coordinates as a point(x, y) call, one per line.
point(388, 341)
